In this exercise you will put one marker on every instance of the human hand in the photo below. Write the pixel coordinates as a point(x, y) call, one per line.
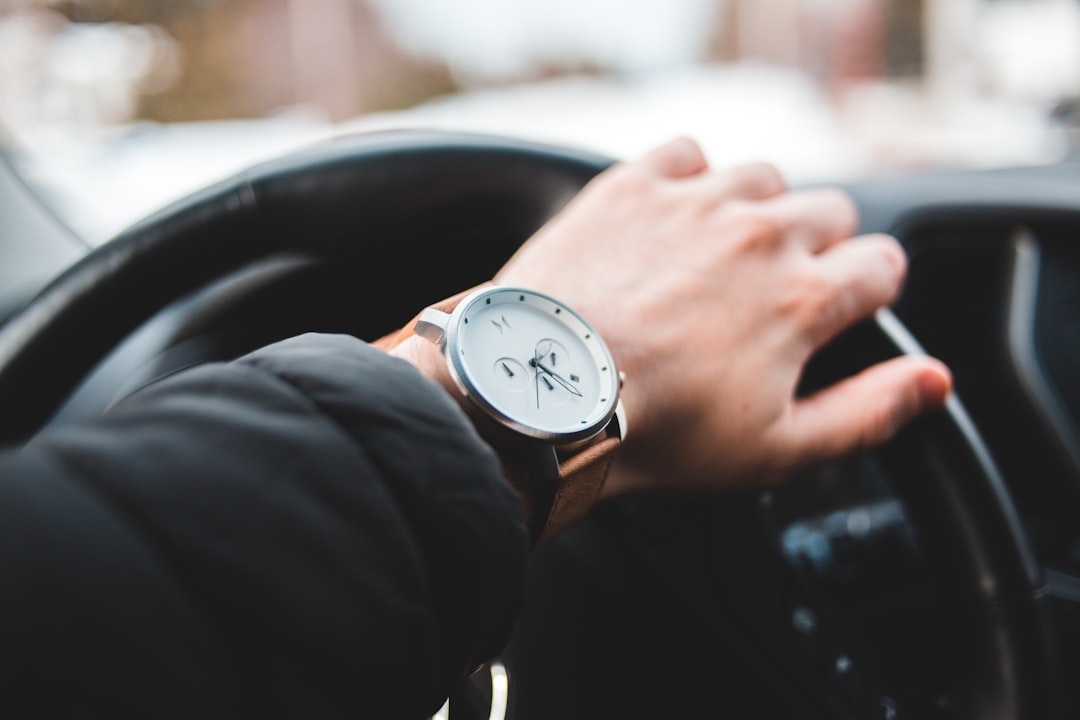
point(712, 290)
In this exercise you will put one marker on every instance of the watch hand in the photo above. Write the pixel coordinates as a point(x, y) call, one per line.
point(556, 377)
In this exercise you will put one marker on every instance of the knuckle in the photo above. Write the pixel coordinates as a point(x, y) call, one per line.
point(837, 311)
point(821, 301)
point(763, 175)
point(843, 207)
point(808, 297)
point(748, 229)
point(687, 150)
point(824, 305)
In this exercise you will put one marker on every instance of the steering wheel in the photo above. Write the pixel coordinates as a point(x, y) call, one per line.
point(354, 235)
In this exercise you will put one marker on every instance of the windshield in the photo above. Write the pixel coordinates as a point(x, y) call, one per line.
point(116, 107)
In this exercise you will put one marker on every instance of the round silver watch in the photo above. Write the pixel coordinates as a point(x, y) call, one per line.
point(530, 362)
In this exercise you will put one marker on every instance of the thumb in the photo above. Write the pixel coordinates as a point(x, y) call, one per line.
point(867, 409)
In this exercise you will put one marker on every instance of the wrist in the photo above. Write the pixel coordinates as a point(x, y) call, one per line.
point(428, 359)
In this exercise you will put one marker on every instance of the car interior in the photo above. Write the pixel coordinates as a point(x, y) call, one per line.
point(937, 577)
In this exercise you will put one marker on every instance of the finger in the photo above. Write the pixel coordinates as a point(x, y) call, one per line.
point(859, 276)
point(865, 410)
point(682, 157)
point(756, 181)
point(816, 218)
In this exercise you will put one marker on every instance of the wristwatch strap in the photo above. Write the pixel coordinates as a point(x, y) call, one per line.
point(555, 494)
point(582, 477)
point(391, 340)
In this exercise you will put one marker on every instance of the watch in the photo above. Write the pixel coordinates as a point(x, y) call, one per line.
point(535, 366)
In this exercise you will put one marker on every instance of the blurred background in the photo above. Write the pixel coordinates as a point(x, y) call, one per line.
point(113, 108)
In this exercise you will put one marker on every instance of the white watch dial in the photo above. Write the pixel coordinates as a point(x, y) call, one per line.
point(534, 362)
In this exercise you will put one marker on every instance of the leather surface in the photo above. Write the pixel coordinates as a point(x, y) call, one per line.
point(35, 245)
point(583, 477)
point(391, 340)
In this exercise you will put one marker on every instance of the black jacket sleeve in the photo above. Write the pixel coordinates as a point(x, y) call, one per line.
point(313, 530)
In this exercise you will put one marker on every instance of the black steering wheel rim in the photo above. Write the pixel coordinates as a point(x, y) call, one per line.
point(344, 201)
point(943, 472)
point(351, 201)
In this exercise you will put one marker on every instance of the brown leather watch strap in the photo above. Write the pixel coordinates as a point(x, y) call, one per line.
point(390, 341)
point(581, 478)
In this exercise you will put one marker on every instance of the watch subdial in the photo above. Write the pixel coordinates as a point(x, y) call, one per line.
point(553, 354)
point(511, 375)
point(549, 391)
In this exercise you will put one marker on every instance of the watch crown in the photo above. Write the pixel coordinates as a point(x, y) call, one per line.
point(622, 379)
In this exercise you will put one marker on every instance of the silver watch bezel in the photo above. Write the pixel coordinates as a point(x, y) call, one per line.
point(592, 339)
